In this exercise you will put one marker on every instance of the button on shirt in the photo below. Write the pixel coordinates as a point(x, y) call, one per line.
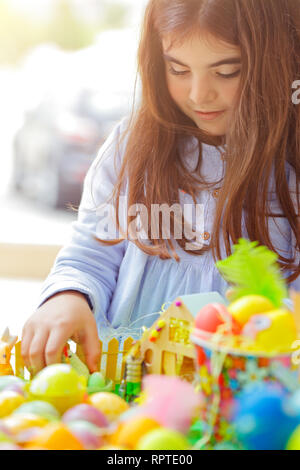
point(126, 287)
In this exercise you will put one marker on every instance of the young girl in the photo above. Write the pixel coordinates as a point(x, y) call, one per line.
point(218, 126)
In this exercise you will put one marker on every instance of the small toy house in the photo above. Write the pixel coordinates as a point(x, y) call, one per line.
point(166, 346)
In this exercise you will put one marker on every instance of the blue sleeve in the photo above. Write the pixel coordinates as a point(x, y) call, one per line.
point(84, 264)
point(295, 285)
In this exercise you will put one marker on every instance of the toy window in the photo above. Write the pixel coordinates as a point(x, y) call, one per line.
point(179, 331)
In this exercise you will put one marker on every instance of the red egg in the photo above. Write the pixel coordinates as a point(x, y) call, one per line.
point(210, 317)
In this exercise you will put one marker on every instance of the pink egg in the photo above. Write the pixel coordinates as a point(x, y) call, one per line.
point(5, 430)
point(16, 388)
point(9, 446)
point(87, 433)
point(84, 412)
point(27, 435)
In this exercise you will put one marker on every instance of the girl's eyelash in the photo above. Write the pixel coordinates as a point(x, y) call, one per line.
point(231, 75)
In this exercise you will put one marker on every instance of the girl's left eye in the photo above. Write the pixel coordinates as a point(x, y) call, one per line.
point(221, 75)
point(230, 75)
point(176, 72)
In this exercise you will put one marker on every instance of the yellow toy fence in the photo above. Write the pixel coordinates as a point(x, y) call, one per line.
point(111, 359)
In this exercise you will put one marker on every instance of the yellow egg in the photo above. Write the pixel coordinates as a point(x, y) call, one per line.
point(110, 404)
point(281, 333)
point(19, 422)
point(131, 431)
point(243, 308)
point(9, 401)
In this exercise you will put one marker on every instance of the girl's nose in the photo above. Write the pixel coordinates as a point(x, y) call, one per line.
point(202, 93)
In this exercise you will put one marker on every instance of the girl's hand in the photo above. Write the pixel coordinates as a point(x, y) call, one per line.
point(64, 316)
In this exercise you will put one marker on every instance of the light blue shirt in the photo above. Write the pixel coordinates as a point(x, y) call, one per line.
point(126, 286)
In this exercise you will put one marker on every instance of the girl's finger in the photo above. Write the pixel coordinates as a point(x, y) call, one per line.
point(37, 351)
point(55, 344)
point(27, 335)
point(91, 347)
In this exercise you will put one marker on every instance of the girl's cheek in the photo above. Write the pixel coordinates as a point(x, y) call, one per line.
point(177, 90)
point(231, 93)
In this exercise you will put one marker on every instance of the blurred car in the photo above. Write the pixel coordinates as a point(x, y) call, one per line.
point(55, 147)
point(75, 99)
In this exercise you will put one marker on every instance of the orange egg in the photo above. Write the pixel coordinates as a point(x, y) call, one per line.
point(55, 436)
point(111, 405)
point(131, 431)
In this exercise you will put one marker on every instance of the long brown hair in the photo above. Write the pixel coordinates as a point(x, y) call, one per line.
point(263, 135)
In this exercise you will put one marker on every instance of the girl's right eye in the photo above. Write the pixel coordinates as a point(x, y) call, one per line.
point(176, 72)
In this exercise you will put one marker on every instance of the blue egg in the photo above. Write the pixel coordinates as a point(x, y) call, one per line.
point(292, 405)
point(261, 420)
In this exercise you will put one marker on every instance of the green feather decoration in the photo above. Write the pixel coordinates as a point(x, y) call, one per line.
point(253, 270)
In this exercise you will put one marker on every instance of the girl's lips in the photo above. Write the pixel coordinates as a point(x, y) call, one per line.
point(209, 116)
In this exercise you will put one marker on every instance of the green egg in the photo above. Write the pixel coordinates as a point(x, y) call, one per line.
point(97, 383)
point(294, 440)
point(163, 439)
point(7, 380)
point(40, 408)
point(4, 437)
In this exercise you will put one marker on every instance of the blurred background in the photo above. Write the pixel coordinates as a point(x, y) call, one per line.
point(67, 76)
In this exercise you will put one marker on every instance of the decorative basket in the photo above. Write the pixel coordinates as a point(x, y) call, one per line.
point(222, 373)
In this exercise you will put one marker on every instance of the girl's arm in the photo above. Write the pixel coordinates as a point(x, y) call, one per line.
point(84, 264)
point(84, 275)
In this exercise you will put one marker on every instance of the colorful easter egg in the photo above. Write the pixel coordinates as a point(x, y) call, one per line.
point(17, 388)
point(112, 447)
point(60, 385)
point(85, 412)
point(9, 446)
point(163, 439)
point(9, 401)
point(294, 440)
point(111, 405)
point(56, 436)
point(40, 408)
point(4, 431)
point(273, 331)
point(97, 383)
point(8, 380)
point(27, 435)
point(260, 419)
point(4, 437)
point(131, 431)
point(210, 317)
point(16, 423)
point(87, 433)
point(243, 308)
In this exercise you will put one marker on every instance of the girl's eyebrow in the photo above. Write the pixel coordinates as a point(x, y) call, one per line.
point(230, 60)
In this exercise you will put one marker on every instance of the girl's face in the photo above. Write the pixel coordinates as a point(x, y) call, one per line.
point(203, 76)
